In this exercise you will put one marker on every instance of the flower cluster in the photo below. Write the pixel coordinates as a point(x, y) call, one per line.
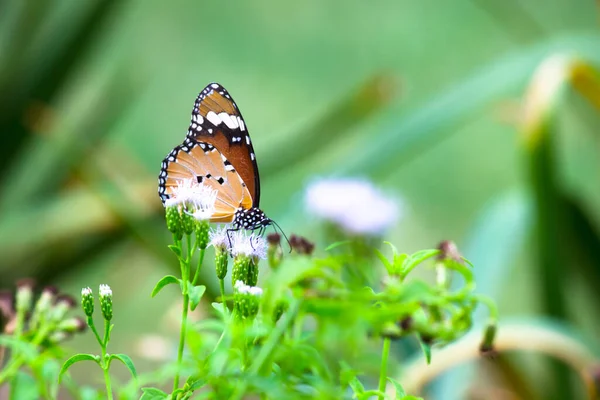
point(27, 318)
point(355, 205)
point(189, 209)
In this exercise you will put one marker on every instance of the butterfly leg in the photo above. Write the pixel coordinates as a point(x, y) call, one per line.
point(229, 230)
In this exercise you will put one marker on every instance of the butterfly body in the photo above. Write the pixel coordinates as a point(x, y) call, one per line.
point(217, 152)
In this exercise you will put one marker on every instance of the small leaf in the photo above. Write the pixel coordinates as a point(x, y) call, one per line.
point(415, 259)
point(77, 358)
point(196, 293)
point(166, 280)
point(400, 393)
point(426, 350)
point(124, 358)
point(356, 385)
point(175, 249)
point(194, 383)
point(337, 244)
point(219, 308)
point(153, 394)
point(388, 265)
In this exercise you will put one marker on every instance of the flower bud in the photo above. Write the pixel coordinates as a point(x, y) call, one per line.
point(57, 337)
point(173, 217)
point(24, 296)
point(241, 266)
point(301, 245)
point(274, 253)
point(188, 223)
point(106, 303)
point(87, 301)
point(246, 300)
point(221, 261)
point(72, 325)
point(202, 233)
point(487, 344)
point(252, 278)
point(7, 312)
point(63, 304)
point(42, 306)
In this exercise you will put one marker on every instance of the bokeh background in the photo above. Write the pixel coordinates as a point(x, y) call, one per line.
point(481, 115)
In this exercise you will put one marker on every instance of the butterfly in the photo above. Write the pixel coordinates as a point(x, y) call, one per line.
point(217, 152)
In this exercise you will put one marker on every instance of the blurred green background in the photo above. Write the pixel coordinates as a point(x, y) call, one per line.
point(426, 98)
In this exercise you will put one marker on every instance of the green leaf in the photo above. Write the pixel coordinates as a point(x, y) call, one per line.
point(77, 358)
point(166, 280)
point(125, 359)
point(195, 294)
point(153, 394)
point(338, 244)
point(356, 385)
point(400, 393)
point(426, 350)
point(415, 259)
point(409, 397)
point(219, 308)
point(175, 249)
point(388, 265)
point(23, 386)
point(193, 383)
point(25, 349)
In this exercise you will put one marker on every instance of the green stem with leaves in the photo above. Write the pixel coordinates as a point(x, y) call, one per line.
point(268, 348)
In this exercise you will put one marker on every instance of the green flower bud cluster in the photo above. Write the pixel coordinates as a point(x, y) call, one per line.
point(173, 217)
point(106, 302)
point(87, 301)
point(240, 270)
point(221, 261)
point(202, 227)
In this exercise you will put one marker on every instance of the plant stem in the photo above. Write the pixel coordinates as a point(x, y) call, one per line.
point(105, 361)
point(105, 367)
point(222, 286)
point(185, 276)
point(200, 261)
point(186, 302)
point(384, 361)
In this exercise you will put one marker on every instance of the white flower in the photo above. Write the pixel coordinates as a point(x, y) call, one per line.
point(104, 291)
point(218, 237)
point(354, 204)
point(200, 199)
point(251, 246)
point(86, 291)
point(242, 288)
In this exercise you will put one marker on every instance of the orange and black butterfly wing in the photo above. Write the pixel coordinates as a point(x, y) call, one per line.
point(203, 163)
point(216, 120)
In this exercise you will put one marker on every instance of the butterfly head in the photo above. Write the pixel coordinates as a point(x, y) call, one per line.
point(250, 219)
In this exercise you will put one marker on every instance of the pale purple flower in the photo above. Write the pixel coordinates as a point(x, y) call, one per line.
point(355, 205)
point(218, 237)
point(248, 245)
point(198, 199)
point(242, 288)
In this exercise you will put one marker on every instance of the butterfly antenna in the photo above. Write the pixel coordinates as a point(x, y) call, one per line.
point(283, 233)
